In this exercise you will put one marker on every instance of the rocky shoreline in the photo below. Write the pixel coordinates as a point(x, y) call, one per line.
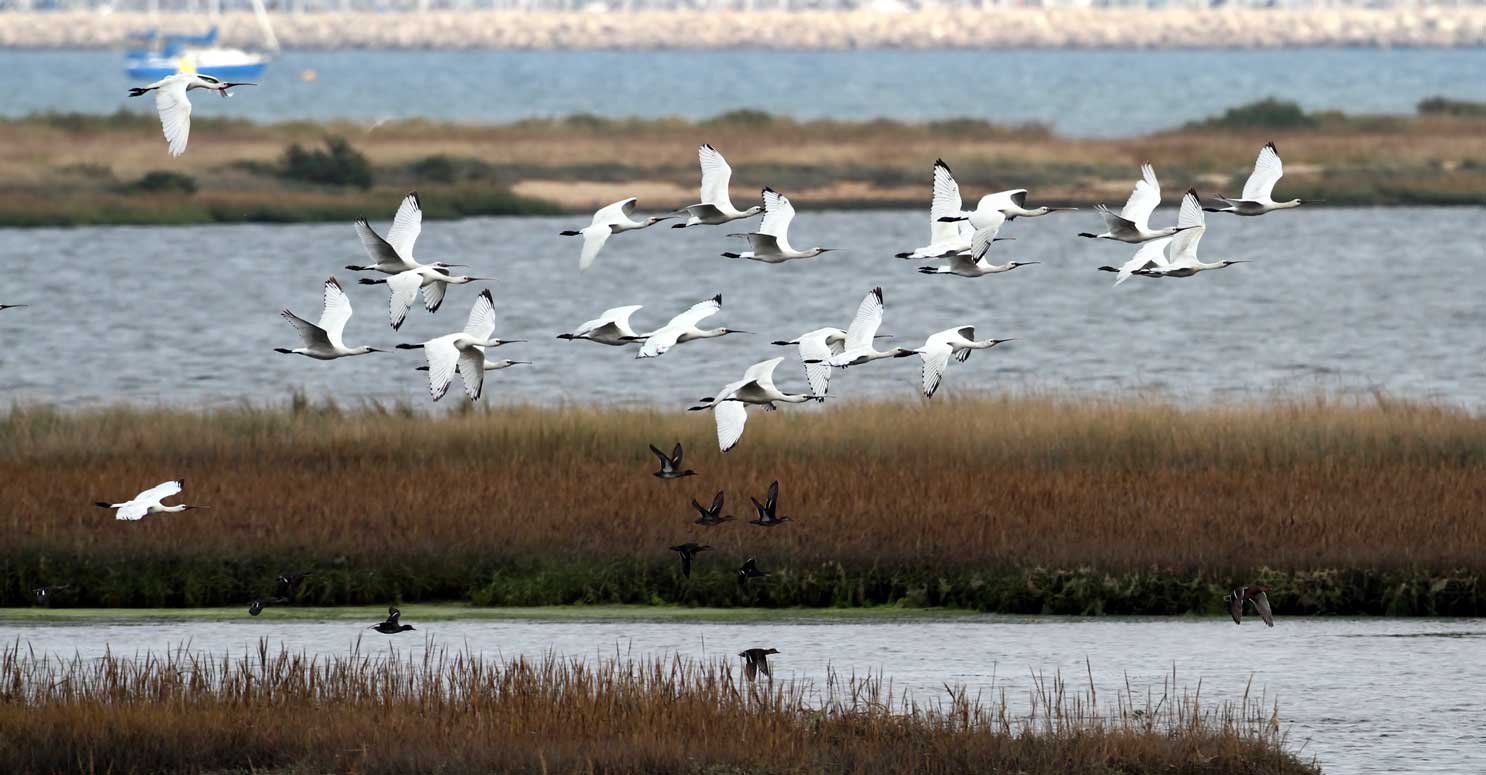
point(721, 29)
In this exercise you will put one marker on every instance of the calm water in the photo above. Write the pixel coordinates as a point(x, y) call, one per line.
point(1336, 300)
point(1081, 92)
point(1363, 696)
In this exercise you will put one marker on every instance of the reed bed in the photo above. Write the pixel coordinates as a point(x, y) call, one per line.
point(458, 712)
point(1030, 504)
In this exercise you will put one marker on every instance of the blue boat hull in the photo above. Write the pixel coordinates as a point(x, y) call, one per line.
point(154, 71)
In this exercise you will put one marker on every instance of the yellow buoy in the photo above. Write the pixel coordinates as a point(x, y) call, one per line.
point(307, 75)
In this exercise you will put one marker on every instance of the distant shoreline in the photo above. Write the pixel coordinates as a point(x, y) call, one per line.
point(1000, 28)
point(84, 170)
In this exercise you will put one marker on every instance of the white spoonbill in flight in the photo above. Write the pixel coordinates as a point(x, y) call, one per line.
point(150, 501)
point(462, 351)
point(716, 206)
point(173, 106)
point(1133, 222)
point(1258, 191)
point(1184, 261)
point(612, 327)
point(977, 262)
point(610, 219)
point(323, 341)
point(861, 333)
point(771, 242)
point(1147, 261)
point(816, 348)
point(958, 343)
point(756, 387)
point(404, 290)
point(948, 235)
point(395, 253)
point(1013, 204)
point(683, 328)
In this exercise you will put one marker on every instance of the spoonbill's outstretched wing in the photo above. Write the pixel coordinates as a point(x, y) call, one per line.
point(380, 251)
point(616, 212)
point(1151, 254)
point(1268, 169)
point(868, 319)
point(403, 288)
point(175, 112)
point(594, 238)
point(472, 369)
point(406, 226)
point(481, 323)
point(160, 491)
point(731, 416)
point(980, 243)
point(1144, 199)
point(717, 174)
point(815, 346)
point(335, 314)
point(433, 293)
point(443, 359)
point(1194, 225)
point(946, 204)
point(778, 213)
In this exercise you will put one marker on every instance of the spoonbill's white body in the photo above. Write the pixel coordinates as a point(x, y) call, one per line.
point(1132, 225)
point(948, 235)
point(816, 349)
point(716, 207)
point(323, 341)
point(1183, 259)
point(612, 327)
point(394, 254)
point(1258, 190)
point(958, 343)
point(862, 332)
point(976, 262)
point(149, 502)
point(683, 328)
point(404, 290)
point(174, 107)
point(771, 242)
point(463, 351)
point(610, 219)
point(756, 387)
point(1013, 204)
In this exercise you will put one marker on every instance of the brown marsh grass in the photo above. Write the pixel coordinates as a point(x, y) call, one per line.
point(581, 161)
point(445, 503)
point(455, 713)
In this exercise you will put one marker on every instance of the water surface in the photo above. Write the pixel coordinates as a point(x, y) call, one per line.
point(1336, 300)
point(1079, 92)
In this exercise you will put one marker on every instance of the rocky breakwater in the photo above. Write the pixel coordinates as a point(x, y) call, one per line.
point(934, 28)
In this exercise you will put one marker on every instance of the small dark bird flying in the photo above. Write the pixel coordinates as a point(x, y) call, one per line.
point(1238, 597)
point(767, 516)
point(670, 465)
point(712, 516)
point(756, 661)
point(688, 552)
point(750, 570)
